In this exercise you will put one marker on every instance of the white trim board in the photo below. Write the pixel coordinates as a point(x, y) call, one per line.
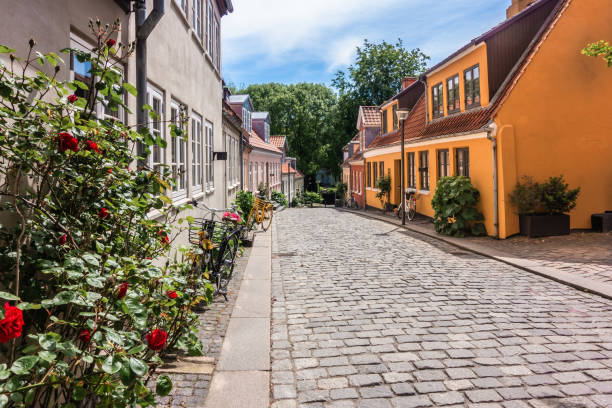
point(397, 148)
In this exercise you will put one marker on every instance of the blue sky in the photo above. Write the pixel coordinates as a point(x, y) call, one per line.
point(293, 41)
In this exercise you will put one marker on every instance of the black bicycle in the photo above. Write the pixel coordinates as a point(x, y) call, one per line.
point(218, 241)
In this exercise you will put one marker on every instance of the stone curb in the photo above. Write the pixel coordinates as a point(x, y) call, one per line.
point(577, 282)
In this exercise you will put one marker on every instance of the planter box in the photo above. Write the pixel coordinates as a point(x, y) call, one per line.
point(543, 225)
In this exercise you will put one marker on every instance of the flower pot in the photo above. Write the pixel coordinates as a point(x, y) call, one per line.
point(543, 225)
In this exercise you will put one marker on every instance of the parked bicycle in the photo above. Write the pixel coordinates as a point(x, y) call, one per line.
point(261, 214)
point(352, 203)
point(218, 241)
point(410, 202)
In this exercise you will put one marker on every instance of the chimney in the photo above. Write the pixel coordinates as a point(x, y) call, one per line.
point(406, 82)
point(517, 6)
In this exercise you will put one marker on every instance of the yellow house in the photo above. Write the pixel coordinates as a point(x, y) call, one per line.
point(518, 100)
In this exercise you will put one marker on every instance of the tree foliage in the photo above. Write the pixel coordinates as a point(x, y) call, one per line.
point(601, 49)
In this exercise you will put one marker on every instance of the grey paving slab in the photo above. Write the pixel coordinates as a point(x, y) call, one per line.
point(239, 389)
point(254, 299)
point(259, 267)
point(398, 319)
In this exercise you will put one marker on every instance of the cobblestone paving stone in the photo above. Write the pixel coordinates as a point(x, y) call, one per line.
point(583, 253)
point(367, 315)
point(189, 390)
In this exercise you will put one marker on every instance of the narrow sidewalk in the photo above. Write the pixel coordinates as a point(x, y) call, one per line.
point(579, 282)
point(242, 376)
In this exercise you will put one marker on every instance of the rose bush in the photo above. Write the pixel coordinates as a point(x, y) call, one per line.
point(89, 312)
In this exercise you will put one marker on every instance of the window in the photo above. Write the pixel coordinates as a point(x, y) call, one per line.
point(452, 92)
point(462, 161)
point(217, 46)
point(443, 163)
point(250, 186)
point(384, 122)
point(395, 120)
point(196, 17)
point(208, 163)
point(267, 132)
point(437, 98)
point(209, 29)
point(183, 5)
point(411, 173)
point(472, 87)
point(178, 148)
point(424, 170)
point(196, 152)
point(369, 174)
point(381, 172)
point(375, 177)
point(155, 100)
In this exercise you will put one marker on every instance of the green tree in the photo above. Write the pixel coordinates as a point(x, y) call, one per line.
point(601, 49)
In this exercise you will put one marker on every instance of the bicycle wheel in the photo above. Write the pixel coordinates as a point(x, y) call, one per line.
point(251, 221)
point(411, 209)
point(400, 210)
point(267, 218)
point(225, 265)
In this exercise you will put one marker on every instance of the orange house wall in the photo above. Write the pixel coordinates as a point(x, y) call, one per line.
point(558, 118)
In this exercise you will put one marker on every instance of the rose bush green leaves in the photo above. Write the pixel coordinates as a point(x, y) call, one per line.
point(454, 203)
point(77, 245)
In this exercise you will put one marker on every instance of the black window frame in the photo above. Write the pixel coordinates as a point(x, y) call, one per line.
point(437, 101)
point(381, 169)
point(411, 173)
point(424, 170)
point(443, 164)
point(384, 121)
point(462, 161)
point(456, 100)
point(469, 90)
point(395, 120)
point(374, 174)
point(369, 174)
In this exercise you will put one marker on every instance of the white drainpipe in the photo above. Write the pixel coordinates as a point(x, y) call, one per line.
point(492, 136)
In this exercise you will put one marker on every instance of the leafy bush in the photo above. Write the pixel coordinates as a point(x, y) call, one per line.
point(341, 189)
point(279, 198)
point(454, 203)
point(552, 196)
point(384, 185)
point(527, 197)
point(94, 313)
point(244, 200)
point(557, 197)
point(295, 202)
point(310, 197)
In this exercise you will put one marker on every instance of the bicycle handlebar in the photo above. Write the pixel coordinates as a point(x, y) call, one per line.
point(212, 210)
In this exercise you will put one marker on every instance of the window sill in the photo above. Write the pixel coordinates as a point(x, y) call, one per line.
point(197, 195)
point(181, 201)
point(210, 191)
point(178, 196)
point(424, 192)
point(411, 190)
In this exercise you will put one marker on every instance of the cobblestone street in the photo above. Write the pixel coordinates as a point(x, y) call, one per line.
point(368, 315)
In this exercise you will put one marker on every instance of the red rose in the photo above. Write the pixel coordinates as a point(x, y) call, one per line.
point(62, 239)
point(122, 290)
point(172, 294)
point(163, 237)
point(103, 213)
point(67, 142)
point(110, 42)
point(109, 171)
point(157, 339)
point(93, 146)
point(85, 336)
point(72, 98)
point(10, 326)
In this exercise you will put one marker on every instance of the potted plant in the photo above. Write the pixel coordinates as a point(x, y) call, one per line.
point(543, 208)
point(384, 186)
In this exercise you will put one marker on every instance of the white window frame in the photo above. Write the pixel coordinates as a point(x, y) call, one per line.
point(196, 153)
point(267, 132)
point(154, 95)
point(183, 5)
point(178, 153)
point(209, 164)
point(196, 18)
point(209, 29)
point(217, 45)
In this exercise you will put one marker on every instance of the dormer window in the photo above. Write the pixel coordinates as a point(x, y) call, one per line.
point(437, 99)
point(452, 92)
point(395, 120)
point(246, 119)
point(384, 122)
point(472, 87)
point(267, 132)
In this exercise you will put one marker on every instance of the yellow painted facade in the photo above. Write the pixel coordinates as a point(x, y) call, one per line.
point(557, 119)
point(388, 113)
point(458, 67)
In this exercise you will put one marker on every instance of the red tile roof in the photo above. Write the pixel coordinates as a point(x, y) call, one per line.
point(288, 169)
point(461, 123)
point(256, 142)
point(370, 115)
point(278, 141)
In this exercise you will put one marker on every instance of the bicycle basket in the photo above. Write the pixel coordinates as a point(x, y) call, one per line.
point(215, 231)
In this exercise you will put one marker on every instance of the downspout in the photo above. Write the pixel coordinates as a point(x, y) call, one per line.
point(144, 27)
point(363, 185)
point(241, 149)
point(492, 136)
